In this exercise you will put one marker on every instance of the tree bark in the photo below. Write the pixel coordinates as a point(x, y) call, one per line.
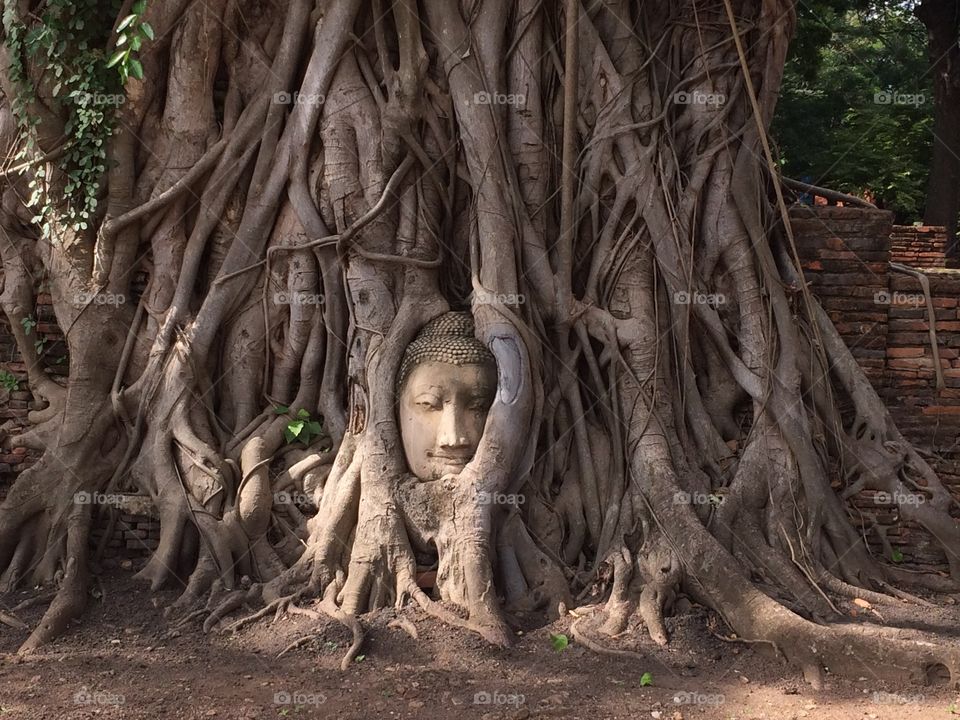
point(942, 20)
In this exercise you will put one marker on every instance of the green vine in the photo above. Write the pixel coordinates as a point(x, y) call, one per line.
point(131, 32)
point(69, 45)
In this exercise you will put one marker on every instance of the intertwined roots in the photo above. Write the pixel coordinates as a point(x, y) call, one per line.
point(305, 187)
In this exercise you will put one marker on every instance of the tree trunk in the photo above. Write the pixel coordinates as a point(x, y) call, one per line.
point(942, 20)
point(307, 187)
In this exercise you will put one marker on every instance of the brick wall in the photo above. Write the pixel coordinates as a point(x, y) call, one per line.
point(910, 387)
point(846, 254)
point(53, 352)
point(920, 246)
point(15, 405)
point(134, 530)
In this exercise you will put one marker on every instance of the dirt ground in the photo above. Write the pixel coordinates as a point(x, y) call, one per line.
point(120, 661)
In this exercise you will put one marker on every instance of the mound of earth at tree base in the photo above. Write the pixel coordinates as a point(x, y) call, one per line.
point(122, 662)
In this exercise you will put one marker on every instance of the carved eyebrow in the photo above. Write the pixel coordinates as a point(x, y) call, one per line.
point(426, 394)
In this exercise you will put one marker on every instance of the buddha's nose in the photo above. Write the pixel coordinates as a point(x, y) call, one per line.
point(452, 432)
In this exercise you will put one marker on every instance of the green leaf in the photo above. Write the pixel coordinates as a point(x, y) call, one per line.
point(136, 69)
point(646, 679)
point(559, 641)
point(314, 428)
point(147, 30)
point(116, 57)
point(280, 409)
point(896, 556)
point(9, 380)
point(126, 22)
point(293, 429)
point(360, 658)
point(301, 413)
point(140, 7)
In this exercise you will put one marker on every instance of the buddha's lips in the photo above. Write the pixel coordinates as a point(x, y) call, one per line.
point(451, 459)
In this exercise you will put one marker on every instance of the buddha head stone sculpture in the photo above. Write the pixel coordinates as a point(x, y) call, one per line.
point(446, 385)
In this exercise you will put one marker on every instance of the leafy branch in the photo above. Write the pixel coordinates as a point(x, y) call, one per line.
point(131, 32)
point(301, 426)
point(61, 54)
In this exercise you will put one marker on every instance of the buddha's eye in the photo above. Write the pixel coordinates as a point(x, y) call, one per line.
point(429, 402)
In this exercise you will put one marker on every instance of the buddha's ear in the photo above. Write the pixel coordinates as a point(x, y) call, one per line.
point(509, 382)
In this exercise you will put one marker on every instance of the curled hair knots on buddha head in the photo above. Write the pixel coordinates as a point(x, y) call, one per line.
point(447, 339)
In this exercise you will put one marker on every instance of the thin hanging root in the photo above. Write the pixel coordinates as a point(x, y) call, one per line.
point(233, 601)
point(905, 596)
point(189, 618)
point(581, 637)
point(439, 612)
point(852, 592)
point(30, 602)
point(297, 643)
point(278, 606)
point(328, 607)
point(406, 625)
point(746, 641)
point(13, 622)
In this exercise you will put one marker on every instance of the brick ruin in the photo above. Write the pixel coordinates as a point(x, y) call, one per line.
point(882, 316)
point(920, 246)
point(880, 313)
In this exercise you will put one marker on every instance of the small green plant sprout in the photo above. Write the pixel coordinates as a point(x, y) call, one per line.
point(360, 658)
point(28, 323)
point(646, 679)
point(131, 32)
point(301, 427)
point(559, 641)
point(896, 556)
point(9, 380)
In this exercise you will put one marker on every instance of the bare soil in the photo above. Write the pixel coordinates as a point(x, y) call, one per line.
point(121, 661)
